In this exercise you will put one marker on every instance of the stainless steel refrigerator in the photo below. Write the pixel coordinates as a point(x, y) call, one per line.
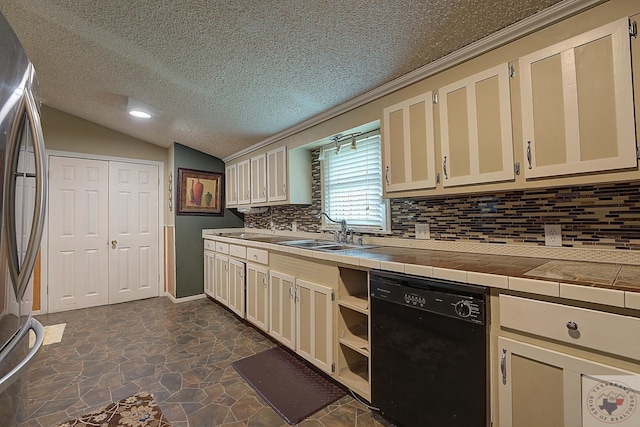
point(23, 194)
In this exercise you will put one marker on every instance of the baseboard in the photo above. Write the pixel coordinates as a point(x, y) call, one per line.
point(184, 299)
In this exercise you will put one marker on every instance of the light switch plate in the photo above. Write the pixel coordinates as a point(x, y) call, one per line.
point(423, 232)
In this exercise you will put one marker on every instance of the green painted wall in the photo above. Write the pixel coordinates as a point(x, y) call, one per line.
point(188, 242)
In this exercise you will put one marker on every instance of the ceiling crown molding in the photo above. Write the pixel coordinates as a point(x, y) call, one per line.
point(538, 21)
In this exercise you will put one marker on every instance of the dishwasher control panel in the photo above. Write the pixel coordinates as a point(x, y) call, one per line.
point(441, 297)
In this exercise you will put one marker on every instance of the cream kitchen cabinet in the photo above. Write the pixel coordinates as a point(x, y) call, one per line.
point(314, 321)
point(258, 179)
point(408, 143)
point(475, 129)
point(237, 286)
point(542, 387)
point(231, 185)
point(257, 302)
point(222, 279)
point(282, 303)
point(209, 268)
point(244, 182)
point(577, 104)
point(565, 366)
point(277, 174)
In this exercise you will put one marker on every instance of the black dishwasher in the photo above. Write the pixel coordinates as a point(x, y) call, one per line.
point(429, 351)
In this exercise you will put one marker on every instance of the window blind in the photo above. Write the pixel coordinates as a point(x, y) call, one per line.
point(353, 184)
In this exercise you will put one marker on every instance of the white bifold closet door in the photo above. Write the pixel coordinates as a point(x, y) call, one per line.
point(103, 233)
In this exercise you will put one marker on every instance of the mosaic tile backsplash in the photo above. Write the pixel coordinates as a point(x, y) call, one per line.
point(605, 216)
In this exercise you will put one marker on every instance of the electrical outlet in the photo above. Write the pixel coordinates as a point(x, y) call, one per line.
point(552, 235)
point(423, 232)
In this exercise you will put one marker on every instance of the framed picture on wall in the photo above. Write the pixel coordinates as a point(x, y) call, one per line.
point(200, 192)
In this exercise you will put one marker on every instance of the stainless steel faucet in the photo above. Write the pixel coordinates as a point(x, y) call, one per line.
point(345, 235)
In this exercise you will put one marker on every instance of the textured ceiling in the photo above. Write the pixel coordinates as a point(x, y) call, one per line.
point(228, 74)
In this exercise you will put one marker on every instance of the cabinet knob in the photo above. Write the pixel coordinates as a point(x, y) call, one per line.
point(572, 326)
point(114, 243)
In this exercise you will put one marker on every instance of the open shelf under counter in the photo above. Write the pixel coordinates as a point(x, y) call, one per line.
point(356, 340)
point(354, 377)
point(355, 302)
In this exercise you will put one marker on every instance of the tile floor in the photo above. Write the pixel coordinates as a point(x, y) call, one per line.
point(181, 353)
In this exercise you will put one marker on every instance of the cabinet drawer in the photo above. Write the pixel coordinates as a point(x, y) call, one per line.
point(223, 248)
point(209, 245)
point(607, 332)
point(258, 255)
point(238, 251)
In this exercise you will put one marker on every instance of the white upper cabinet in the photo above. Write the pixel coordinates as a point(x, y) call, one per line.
point(577, 104)
point(231, 185)
point(258, 179)
point(277, 174)
point(244, 182)
point(409, 154)
point(475, 129)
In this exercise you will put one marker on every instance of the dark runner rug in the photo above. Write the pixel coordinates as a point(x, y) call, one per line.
point(289, 386)
point(139, 411)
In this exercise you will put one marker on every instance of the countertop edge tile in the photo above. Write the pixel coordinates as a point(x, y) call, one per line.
point(370, 263)
point(632, 300)
point(486, 279)
point(419, 270)
point(592, 294)
point(534, 286)
point(392, 266)
point(450, 274)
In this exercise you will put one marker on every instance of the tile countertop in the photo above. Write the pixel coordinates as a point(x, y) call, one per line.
point(602, 283)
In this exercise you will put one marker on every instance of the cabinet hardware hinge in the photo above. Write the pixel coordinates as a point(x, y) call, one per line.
point(434, 98)
point(512, 71)
point(333, 367)
point(516, 168)
point(333, 296)
point(633, 29)
point(637, 153)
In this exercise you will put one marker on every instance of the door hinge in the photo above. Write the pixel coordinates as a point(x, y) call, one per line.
point(333, 367)
point(512, 71)
point(434, 98)
point(633, 29)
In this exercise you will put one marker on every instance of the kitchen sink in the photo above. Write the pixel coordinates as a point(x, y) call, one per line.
point(307, 244)
point(322, 245)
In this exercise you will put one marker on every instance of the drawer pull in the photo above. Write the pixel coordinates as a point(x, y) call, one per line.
point(572, 326)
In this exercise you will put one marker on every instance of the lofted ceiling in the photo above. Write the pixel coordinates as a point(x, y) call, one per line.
point(227, 74)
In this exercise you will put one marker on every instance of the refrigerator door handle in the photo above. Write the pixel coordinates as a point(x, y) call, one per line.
point(20, 274)
point(18, 370)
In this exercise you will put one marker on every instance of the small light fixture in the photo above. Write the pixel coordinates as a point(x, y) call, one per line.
point(336, 139)
point(353, 142)
point(140, 110)
point(140, 114)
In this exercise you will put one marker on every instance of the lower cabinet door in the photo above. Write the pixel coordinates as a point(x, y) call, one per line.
point(237, 287)
point(542, 387)
point(222, 279)
point(314, 319)
point(282, 319)
point(258, 296)
point(209, 274)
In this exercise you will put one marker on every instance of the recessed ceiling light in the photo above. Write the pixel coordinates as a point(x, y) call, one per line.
point(140, 109)
point(140, 114)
